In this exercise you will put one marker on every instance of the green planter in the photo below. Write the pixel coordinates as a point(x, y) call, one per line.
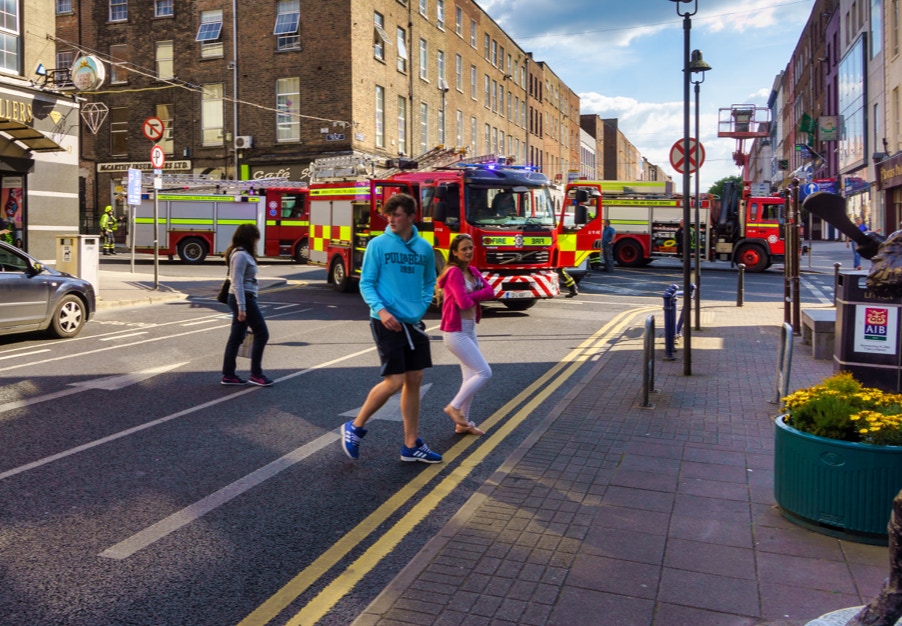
point(837, 488)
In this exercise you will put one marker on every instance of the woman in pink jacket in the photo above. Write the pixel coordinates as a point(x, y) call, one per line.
point(463, 289)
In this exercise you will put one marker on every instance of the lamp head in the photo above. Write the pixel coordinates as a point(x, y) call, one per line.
point(698, 64)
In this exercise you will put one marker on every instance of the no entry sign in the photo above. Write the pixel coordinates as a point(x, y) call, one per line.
point(678, 159)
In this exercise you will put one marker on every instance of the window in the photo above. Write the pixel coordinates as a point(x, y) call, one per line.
point(288, 109)
point(424, 127)
point(495, 95)
point(380, 37)
point(163, 8)
point(488, 139)
point(487, 47)
point(165, 66)
point(402, 125)
point(500, 100)
point(473, 82)
point(118, 57)
point(473, 33)
point(459, 72)
point(458, 21)
point(460, 128)
point(288, 17)
point(440, 65)
point(440, 13)
point(501, 142)
point(166, 113)
point(63, 7)
point(118, 131)
point(494, 53)
point(9, 37)
point(473, 136)
point(424, 10)
point(208, 33)
point(211, 115)
point(64, 60)
point(380, 116)
point(510, 103)
point(402, 50)
point(118, 10)
point(423, 60)
point(441, 124)
point(488, 92)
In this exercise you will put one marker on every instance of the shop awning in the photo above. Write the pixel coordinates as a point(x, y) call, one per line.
point(33, 139)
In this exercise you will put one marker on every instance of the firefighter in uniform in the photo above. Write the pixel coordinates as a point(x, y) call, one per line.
point(108, 226)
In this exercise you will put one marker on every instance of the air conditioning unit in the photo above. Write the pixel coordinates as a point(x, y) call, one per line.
point(243, 142)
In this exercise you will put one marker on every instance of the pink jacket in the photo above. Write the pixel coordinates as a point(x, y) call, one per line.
point(455, 297)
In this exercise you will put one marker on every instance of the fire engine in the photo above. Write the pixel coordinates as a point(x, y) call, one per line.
point(506, 209)
point(197, 216)
point(647, 214)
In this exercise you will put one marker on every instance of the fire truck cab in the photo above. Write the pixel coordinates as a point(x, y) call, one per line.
point(507, 211)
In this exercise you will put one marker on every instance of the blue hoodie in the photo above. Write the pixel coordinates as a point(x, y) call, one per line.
point(398, 276)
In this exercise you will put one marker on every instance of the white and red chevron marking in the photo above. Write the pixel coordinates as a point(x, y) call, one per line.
point(541, 284)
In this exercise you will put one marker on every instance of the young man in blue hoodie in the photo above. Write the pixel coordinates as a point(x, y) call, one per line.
point(397, 281)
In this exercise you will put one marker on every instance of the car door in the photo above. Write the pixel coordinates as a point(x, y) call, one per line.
point(24, 295)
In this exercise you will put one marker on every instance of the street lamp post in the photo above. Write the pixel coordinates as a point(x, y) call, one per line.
point(687, 253)
point(698, 66)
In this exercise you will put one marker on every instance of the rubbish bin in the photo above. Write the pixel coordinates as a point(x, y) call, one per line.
point(867, 334)
point(79, 255)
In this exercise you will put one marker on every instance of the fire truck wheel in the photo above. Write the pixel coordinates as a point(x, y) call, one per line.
point(754, 257)
point(339, 277)
point(519, 305)
point(628, 253)
point(192, 250)
point(302, 251)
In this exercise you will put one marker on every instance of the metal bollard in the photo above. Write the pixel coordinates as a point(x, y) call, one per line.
point(648, 362)
point(670, 296)
point(836, 267)
point(679, 326)
point(740, 286)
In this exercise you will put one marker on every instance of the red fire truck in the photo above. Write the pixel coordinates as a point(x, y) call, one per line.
point(646, 216)
point(507, 210)
point(196, 218)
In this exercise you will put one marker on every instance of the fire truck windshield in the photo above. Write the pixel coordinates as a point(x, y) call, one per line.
point(510, 207)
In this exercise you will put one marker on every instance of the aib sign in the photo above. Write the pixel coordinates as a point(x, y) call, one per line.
point(876, 329)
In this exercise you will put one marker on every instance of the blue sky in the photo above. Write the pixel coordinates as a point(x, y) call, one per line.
point(625, 60)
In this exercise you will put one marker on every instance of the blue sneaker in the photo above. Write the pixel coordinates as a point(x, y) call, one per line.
point(420, 453)
point(350, 439)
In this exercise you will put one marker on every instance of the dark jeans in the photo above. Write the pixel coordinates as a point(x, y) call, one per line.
point(254, 319)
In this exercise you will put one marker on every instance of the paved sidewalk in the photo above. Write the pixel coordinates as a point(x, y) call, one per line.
point(614, 514)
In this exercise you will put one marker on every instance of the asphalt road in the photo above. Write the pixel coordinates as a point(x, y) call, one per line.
point(134, 489)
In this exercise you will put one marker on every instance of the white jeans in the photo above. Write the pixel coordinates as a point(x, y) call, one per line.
point(473, 367)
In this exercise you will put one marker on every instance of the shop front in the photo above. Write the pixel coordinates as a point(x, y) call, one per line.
point(889, 182)
point(38, 167)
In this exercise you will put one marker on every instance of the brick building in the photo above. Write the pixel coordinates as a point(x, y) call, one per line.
point(307, 79)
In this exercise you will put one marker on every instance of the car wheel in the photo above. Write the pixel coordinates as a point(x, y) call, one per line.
point(68, 318)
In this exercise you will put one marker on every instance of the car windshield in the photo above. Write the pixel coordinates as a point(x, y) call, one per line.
point(510, 207)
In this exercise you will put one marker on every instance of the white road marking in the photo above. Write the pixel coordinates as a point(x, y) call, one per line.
point(108, 383)
point(124, 336)
point(16, 356)
point(816, 291)
point(192, 512)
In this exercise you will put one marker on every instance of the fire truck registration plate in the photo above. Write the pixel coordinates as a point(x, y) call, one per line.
point(518, 294)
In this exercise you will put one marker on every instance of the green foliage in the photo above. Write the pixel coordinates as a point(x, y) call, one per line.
point(717, 188)
point(840, 408)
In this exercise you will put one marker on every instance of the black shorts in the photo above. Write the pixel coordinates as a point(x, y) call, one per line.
point(404, 351)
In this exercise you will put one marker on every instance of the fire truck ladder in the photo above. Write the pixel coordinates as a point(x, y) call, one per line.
point(741, 122)
point(440, 156)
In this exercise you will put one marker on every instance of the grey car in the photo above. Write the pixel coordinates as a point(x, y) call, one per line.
point(34, 297)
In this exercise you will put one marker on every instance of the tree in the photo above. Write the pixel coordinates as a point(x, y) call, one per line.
point(717, 188)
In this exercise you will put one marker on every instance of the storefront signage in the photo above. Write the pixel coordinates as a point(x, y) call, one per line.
point(875, 329)
point(170, 166)
point(889, 172)
point(88, 73)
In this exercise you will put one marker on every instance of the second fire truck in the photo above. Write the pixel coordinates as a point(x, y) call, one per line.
point(197, 217)
point(507, 210)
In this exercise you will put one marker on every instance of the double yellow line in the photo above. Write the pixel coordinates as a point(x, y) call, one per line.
point(345, 582)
